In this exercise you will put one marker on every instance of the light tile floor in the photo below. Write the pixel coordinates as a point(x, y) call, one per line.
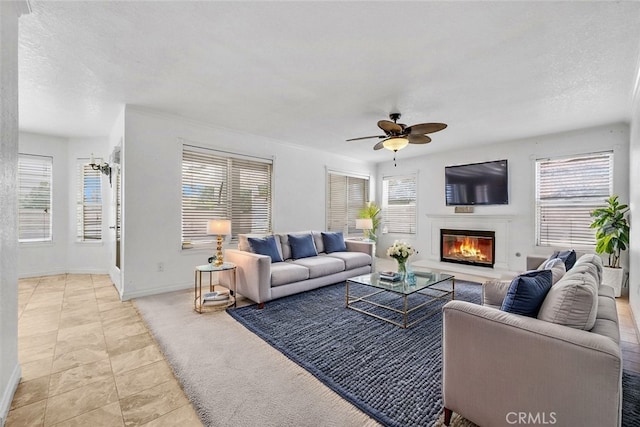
point(88, 359)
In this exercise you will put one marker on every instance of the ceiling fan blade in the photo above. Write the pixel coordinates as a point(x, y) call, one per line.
point(389, 127)
point(423, 128)
point(367, 137)
point(418, 139)
point(379, 145)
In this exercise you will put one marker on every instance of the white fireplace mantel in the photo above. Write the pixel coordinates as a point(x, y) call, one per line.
point(500, 224)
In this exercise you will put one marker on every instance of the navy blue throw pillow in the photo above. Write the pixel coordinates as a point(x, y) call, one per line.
point(265, 246)
point(569, 257)
point(527, 292)
point(333, 242)
point(302, 246)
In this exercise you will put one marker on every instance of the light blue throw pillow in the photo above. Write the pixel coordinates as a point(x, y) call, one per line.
point(302, 246)
point(527, 292)
point(333, 242)
point(265, 246)
point(568, 257)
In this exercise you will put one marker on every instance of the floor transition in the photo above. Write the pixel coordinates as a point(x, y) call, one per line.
point(88, 359)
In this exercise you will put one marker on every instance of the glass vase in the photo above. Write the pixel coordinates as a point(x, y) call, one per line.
point(402, 267)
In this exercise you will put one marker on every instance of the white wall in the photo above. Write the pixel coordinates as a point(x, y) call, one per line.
point(10, 371)
point(152, 179)
point(63, 254)
point(634, 199)
point(521, 155)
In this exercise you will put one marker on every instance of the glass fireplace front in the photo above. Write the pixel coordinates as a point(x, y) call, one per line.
point(471, 247)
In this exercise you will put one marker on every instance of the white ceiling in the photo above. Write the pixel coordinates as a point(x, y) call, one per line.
point(317, 73)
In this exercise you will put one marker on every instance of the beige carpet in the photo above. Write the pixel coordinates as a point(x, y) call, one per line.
point(249, 383)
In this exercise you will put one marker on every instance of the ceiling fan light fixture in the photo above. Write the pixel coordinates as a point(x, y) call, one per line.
point(395, 144)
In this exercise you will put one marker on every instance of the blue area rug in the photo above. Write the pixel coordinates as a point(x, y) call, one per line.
point(391, 374)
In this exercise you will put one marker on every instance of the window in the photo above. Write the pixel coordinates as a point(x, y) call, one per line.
point(567, 190)
point(88, 202)
point(346, 196)
point(34, 198)
point(221, 185)
point(399, 204)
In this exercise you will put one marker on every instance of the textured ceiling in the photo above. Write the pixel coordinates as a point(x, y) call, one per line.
point(317, 73)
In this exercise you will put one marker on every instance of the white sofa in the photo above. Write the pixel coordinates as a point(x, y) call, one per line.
point(261, 280)
point(563, 367)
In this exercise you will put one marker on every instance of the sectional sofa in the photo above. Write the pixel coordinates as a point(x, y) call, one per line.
point(281, 264)
point(561, 366)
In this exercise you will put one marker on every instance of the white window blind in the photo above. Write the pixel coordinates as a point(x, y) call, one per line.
point(567, 190)
point(34, 198)
point(218, 185)
point(346, 196)
point(88, 202)
point(399, 198)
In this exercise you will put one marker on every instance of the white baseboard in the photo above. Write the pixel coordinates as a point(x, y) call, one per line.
point(57, 272)
point(41, 274)
point(9, 392)
point(127, 295)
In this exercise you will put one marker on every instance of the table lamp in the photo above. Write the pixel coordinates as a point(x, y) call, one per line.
point(366, 225)
point(220, 228)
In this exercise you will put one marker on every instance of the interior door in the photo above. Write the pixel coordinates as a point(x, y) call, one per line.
point(116, 227)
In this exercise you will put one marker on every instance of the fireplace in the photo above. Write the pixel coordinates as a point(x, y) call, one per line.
point(471, 247)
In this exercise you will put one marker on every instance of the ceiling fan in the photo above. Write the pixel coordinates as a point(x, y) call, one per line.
point(397, 135)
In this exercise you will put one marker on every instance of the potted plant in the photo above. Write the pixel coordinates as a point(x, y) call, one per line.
point(372, 211)
point(612, 237)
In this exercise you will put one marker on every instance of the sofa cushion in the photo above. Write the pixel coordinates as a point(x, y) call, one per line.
point(265, 246)
point(607, 328)
point(572, 301)
point(607, 309)
point(302, 246)
point(284, 244)
point(283, 273)
point(352, 259)
point(556, 265)
point(569, 257)
point(243, 242)
point(317, 239)
point(321, 265)
point(526, 293)
point(333, 242)
point(591, 259)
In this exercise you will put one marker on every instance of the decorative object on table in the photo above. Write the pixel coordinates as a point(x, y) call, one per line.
point(365, 224)
point(220, 228)
point(390, 276)
point(370, 211)
point(401, 251)
point(612, 237)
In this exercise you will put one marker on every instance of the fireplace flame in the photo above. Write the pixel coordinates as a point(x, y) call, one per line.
point(468, 248)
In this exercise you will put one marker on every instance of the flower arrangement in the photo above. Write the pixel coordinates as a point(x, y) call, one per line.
point(400, 251)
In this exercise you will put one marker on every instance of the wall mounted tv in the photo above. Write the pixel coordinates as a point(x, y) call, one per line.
point(477, 184)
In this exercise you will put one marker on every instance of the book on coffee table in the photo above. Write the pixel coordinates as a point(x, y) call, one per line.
point(391, 276)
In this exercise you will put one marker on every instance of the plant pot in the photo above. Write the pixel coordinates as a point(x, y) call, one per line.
point(613, 277)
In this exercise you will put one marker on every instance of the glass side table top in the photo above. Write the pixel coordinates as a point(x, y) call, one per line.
point(424, 279)
point(211, 267)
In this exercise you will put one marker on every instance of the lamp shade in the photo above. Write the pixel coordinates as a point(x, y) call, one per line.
point(395, 144)
point(219, 227)
point(364, 224)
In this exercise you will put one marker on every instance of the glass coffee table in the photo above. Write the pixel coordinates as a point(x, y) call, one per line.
point(400, 303)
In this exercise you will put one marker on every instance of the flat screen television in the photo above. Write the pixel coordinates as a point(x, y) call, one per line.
point(477, 184)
